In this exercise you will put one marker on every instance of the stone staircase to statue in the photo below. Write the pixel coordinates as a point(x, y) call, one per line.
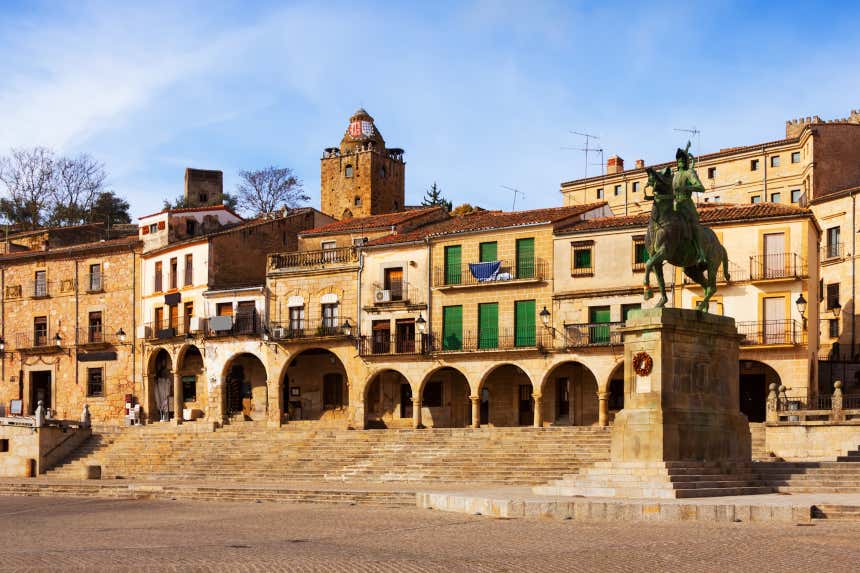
point(250, 452)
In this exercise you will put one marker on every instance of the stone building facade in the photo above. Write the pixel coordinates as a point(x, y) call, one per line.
point(69, 314)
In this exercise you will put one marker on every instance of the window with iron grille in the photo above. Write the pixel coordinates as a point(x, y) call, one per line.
point(95, 278)
point(582, 258)
point(94, 328)
point(40, 286)
point(40, 331)
point(95, 382)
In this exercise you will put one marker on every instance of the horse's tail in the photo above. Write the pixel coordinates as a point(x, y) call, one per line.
point(725, 262)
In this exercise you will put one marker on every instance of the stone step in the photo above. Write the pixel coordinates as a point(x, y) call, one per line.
point(836, 512)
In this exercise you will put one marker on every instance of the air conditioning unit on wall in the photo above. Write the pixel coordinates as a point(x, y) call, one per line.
point(279, 333)
point(383, 296)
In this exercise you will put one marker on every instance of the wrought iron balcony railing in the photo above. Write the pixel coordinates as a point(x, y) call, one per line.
point(593, 334)
point(299, 329)
point(386, 345)
point(771, 332)
point(832, 251)
point(777, 266)
point(303, 260)
point(483, 274)
point(490, 341)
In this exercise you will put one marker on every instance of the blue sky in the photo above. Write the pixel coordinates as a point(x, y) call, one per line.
point(480, 94)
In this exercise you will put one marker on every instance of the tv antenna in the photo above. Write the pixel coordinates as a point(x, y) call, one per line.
point(587, 149)
point(514, 207)
point(694, 132)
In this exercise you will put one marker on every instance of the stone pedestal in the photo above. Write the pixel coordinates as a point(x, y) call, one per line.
point(681, 432)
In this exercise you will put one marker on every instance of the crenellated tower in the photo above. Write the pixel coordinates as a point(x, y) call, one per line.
point(362, 177)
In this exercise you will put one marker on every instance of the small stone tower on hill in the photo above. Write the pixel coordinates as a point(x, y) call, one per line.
point(203, 187)
point(362, 177)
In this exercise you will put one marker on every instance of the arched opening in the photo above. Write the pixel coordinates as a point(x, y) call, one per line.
point(506, 397)
point(445, 400)
point(754, 379)
point(191, 373)
point(316, 387)
point(160, 377)
point(388, 401)
point(616, 391)
point(569, 396)
point(246, 393)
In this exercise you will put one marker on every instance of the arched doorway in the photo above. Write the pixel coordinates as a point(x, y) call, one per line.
point(191, 373)
point(388, 401)
point(616, 391)
point(569, 396)
point(754, 379)
point(316, 387)
point(445, 400)
point(506, 397)
point(246, 393)
point(160, 377)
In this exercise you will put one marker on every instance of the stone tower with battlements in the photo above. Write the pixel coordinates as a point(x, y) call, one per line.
point(361, 177)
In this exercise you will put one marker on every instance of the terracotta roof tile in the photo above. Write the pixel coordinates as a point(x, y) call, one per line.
point(384, 221)
point(709, 213)
point(487, 220)
point(73, 249)
point(192, 210)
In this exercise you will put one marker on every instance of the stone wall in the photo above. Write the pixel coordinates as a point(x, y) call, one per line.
point(812, 440)
point(28, 452)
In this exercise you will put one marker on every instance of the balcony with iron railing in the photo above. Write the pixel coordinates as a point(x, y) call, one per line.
point(771, 333)
point(164, 330)
point(832, 252)
point(397, 294)
point(94, 282)
point(238, 325)
point(490, 341)
point(490, 273)
point(306, 329)
point(310, 260)
point(94, 336)
point(737, 273)
point(777, 266)
point(36, 341)
point(41, 289)
point(388, 345)
point(593, 334)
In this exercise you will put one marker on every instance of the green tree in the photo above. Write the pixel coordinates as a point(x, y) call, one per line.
point(434, 197)
point(110, 210)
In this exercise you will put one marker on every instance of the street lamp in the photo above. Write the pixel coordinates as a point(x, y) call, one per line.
point(836, 310)
point(420, 324)
point(120, 335)
point(801, 308)
point(58, 340)
point(2, 344)
point(347, 328)
point(544, 317)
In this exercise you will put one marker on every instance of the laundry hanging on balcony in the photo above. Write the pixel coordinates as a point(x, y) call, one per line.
point(485, 271)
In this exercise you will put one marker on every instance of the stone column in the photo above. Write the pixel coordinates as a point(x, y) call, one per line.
point(603, 408)
point(416, 413)
point(772, 414)
point(177, 398)
point(476, 411)
point(538, 413)
point(836, 405)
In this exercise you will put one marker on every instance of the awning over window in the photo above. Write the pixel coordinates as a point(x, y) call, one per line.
point(329, 298)
point(295, 301)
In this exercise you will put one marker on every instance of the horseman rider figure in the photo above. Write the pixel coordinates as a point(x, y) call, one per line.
point(685, 182)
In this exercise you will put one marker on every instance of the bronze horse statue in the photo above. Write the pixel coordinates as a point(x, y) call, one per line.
point(669, 239)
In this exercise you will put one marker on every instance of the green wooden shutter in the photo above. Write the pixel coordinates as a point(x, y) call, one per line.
point(488, 325)
point(452, 328)
point(452, 264)
point(488, 252)
point(628, 308)
point(597, 316)
point(525, 258)
point(524, 323)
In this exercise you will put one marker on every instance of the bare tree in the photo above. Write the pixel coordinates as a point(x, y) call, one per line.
point(41, 188)
point(78, 181)
point(28, 176)
point(266, 190)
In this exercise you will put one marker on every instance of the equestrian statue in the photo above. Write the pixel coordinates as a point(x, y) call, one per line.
point(675, 235)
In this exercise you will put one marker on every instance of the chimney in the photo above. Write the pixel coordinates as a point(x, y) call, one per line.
point(614, 165)
point(640, 164)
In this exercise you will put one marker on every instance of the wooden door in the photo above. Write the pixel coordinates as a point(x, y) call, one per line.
point(526, 405)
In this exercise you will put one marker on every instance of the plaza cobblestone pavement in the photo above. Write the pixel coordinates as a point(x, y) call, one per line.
point(75, 534)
